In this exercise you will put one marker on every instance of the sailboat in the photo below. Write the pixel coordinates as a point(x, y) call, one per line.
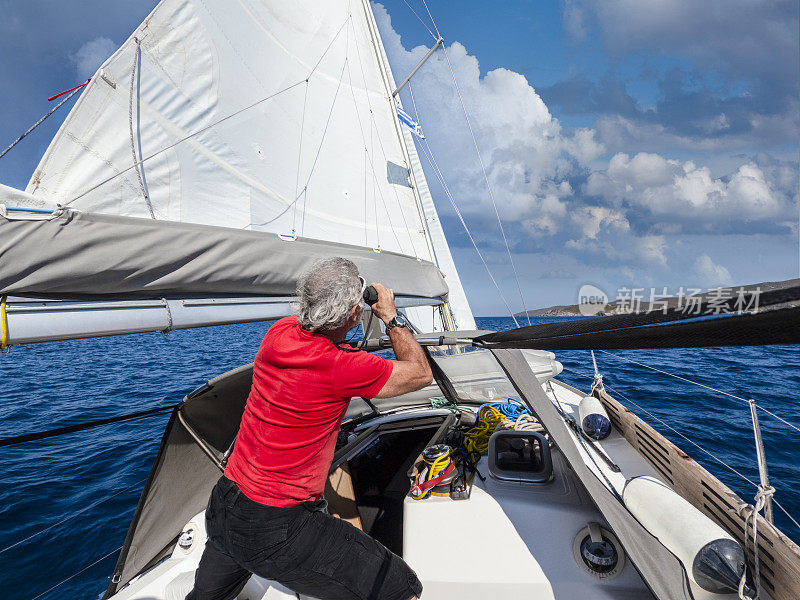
point(214, 156)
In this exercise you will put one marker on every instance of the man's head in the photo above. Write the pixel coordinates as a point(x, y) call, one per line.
point(329, 295)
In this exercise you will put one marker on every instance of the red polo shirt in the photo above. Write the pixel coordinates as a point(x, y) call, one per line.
point(302, 384)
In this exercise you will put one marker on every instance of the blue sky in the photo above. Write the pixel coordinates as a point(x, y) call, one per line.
point(628, 143)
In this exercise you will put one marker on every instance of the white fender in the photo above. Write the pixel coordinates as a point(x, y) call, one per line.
point(711, 557)
point(594, 419)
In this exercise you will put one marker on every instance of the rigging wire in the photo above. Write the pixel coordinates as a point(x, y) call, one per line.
point(40, 435)
point(86, 568)
point(425, 4)
point(322, 139)
point(719, 460)
point(370, 151)
point(708, 387)
point(483, 167)
point(488, 186)
point(784, 421)
point(40, 121)
point(72, 516)
point(426, 150)
point(420, 20)
point(440, 177)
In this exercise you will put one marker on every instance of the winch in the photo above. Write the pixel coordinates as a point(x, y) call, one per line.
point(435, 474)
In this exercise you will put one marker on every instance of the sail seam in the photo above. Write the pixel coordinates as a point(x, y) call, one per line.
point(369, 165)
point(371, 150)
point(373, 132)
point(299, 156)
point(371, 158)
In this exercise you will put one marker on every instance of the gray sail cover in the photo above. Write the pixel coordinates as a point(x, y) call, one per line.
point(93, 256)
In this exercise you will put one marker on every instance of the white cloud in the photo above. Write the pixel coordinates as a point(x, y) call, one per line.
point(711, 273)
point(555, 193)
point(680, 192)
point(617, 132)
point(529, 157)
point(622, 249)
point(593, 219)
point(91, 55)
point(540, 226)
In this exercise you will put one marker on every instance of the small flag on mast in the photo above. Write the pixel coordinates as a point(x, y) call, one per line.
point(411, 123)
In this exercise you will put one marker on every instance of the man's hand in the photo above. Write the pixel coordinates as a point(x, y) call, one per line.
point(411, 370)
point(384, 308)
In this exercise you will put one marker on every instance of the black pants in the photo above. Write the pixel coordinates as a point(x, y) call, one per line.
point(301, 547)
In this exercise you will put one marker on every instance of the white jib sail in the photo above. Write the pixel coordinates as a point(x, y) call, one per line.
point(260, 115)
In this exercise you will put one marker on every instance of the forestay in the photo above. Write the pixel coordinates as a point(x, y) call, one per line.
point(260, 116)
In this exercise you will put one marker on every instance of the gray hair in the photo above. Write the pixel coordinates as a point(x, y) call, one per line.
point(326, 293)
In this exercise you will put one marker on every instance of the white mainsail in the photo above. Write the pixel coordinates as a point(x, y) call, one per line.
point(257, 115)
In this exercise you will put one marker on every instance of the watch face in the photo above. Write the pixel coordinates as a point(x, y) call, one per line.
point(400, 320)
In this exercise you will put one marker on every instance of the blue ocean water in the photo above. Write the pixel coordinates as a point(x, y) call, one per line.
point(101, 471)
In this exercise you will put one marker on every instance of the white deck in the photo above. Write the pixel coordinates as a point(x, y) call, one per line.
point(509, 540)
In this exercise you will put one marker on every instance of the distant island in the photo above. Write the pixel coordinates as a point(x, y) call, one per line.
point(614, 308)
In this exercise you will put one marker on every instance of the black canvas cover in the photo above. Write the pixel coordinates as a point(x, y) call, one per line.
point(776, 321)
point(659, 568)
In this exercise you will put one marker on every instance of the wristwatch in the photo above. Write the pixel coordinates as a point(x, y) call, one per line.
point(397, 321)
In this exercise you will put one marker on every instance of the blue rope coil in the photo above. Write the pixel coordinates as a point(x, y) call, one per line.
point(512, 408)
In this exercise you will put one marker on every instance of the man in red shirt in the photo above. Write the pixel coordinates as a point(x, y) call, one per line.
point(266, 515)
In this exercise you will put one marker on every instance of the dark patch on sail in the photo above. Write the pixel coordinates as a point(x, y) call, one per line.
point(397, 174)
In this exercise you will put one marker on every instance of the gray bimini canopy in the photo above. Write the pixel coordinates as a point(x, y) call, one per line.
point(189, 463)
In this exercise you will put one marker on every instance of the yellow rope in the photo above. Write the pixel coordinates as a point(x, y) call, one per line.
point(3, 324)
point(448, 317)
point(477, 438)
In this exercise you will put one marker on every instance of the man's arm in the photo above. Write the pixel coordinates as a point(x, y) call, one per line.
point(411, 371)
